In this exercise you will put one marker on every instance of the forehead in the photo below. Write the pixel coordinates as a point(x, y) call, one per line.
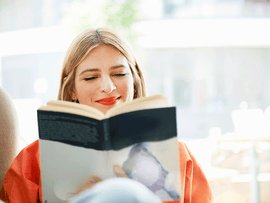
point(103, 56)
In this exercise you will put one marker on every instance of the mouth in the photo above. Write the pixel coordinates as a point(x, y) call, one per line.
point(108, 101)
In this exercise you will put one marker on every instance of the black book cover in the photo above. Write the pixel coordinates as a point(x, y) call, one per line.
point(113, 133)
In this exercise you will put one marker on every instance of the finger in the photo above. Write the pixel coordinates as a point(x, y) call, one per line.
point(93, 180)
point(119, 172)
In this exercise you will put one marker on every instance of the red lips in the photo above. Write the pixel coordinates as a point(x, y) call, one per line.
point(108, 101)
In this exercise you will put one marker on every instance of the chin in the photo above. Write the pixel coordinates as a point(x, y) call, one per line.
point(105, 109)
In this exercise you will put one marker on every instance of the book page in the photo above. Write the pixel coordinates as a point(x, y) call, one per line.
point(74, 108)
point(156, 101)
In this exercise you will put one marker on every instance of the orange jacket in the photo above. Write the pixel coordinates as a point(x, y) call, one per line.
point(22, 182)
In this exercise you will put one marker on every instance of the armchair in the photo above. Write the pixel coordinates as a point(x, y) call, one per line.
point(9, 130)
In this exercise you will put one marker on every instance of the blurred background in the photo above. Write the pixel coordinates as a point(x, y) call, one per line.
point(209, 57)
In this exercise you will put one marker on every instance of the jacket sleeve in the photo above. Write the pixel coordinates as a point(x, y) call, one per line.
point(195, 187)
point(22, 180)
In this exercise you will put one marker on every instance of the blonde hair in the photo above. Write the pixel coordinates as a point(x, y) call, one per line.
point(80, 48)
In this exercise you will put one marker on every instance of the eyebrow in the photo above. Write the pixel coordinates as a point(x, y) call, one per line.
point(97, 69)
point(118, 66)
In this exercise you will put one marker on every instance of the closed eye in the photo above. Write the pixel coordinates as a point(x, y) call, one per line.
point(120, 74)
point(90, 78)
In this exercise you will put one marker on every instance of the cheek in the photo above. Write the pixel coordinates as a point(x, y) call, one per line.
point(129, 89)
point(125, 89)
point(85, 92)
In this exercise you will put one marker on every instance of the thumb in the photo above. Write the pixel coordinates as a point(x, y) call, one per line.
point(119, 172)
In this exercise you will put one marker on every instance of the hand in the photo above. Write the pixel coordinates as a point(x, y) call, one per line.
point(119, 172)
point(93, 180)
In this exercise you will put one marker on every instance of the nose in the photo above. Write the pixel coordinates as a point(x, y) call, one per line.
point(107, 85)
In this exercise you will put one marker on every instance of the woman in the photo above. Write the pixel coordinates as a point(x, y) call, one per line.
point(81, 54)
point(99, 70)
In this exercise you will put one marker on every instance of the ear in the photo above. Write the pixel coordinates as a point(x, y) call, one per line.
point(134, 93)
point(73, 95)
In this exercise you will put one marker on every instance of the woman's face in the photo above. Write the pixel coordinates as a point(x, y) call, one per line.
point(104, 79)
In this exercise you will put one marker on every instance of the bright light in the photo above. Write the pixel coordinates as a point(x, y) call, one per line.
point(215, 132)
point(41, 85)
point(243, 105)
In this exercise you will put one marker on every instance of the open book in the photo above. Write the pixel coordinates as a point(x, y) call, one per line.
point(78, 142)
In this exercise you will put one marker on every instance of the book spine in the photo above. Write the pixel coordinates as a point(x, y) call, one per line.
point(106, 134)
